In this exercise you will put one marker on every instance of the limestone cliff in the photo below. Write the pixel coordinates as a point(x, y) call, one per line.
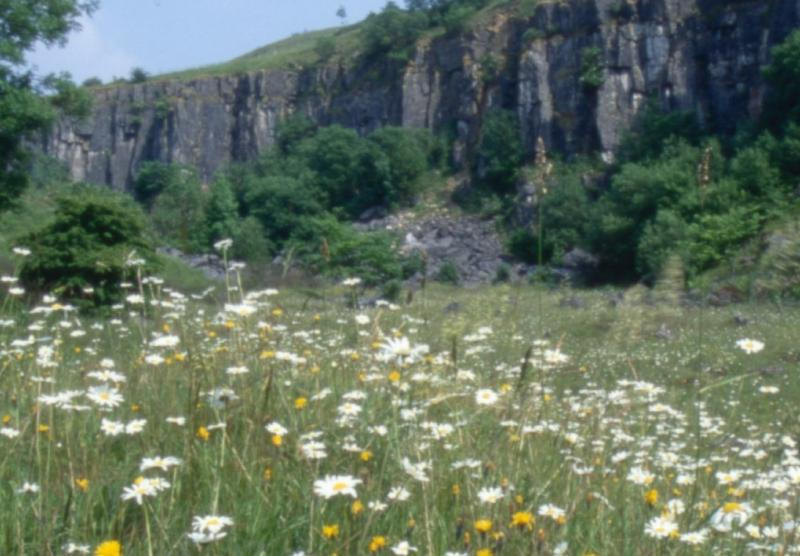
point(699, 55)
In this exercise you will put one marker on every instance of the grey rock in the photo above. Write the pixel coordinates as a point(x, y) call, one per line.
point(740, 320)
point(209, 264)
point(579, 260)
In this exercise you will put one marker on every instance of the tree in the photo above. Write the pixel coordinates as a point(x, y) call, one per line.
point(92, 82)
point(152, 178)
point(393, 32)
point(350, 171)
point(407, 162)
point(221, 218)
point(293, 130)
point(178, 212)
point(138, 75)
point(500, 151)
point(341, 13)
point(783, 74)
point(282, 204)
point(23, 107)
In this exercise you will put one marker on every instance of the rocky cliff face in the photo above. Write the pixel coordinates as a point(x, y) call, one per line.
point(699, 55)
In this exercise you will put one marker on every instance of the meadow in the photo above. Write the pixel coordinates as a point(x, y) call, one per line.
point(504, 420)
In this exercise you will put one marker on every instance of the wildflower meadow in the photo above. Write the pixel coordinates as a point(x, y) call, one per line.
point(505, 420)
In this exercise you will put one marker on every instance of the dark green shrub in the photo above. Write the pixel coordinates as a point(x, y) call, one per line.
point(653, 129)
point(782, 106)
point(151, 179)
point(660, 239)
point(500, 151)
point(92, 82)
point(138, 75)
point(448, 274)
point(407, 163)
point(413, 264)
point(392, 32)
point(282, 204)
point(533, 34)
point(713, 238)
point(337, 250)
point(522, 244)
point(178, 213)
point(592, 68)
point(392, 290)
point(250, 242)
point(92, 234)
point(456, 20)
point(293, 130)
point(221, 219)
point(503, 274)
point(352, 172)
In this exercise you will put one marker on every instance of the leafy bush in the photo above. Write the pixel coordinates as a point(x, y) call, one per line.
point(500, 151)
point(221, 219)
point(293, 130)
point(522, 244)
point(250, 242)
point(85, 247)
point(592, 68)
point(337, 250)
point(457, 18)
point(352, 173)
point(138, 75)
point(782, 106)
point(151, 179)
point(178, 212)
point(282, 204)
point(448, 274)
point(392, 32)
point(653, 128)
point(503, 274)
point(407, 162)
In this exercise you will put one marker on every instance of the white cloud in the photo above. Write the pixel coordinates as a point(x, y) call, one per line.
point(86, 54)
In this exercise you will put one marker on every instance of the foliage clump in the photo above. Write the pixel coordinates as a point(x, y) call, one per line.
point(85, 251)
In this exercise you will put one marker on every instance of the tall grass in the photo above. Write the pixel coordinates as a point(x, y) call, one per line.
point(592, 452)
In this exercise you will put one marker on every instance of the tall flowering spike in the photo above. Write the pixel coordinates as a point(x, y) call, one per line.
point(543, 164)
point(325, 250)
point(704, 169)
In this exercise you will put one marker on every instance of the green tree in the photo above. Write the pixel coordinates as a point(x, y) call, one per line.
point(250, 243)
point(336, 249)
point(350, 171)
point(392, 32)
point(23, 107)
point(222, 212)
point(179, 210)
point(782, 105)
point(82, 252)
point(152, 178)
point(407, 162)
point(138, 75)
point(282, 204)
point(293, 130)
point(500, 151)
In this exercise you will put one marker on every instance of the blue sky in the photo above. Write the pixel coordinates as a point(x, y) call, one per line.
point(167, 35)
